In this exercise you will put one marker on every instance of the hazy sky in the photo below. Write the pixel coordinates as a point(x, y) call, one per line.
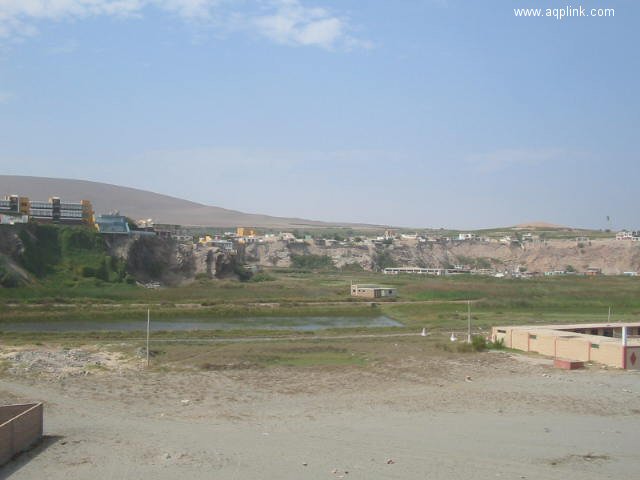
point(421, 113)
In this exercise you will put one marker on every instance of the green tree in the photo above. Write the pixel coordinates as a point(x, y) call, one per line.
point(103, 270)
point(383, 259)
point(41, 249)
point(312, 262)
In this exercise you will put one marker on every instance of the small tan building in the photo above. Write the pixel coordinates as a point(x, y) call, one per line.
point(373, 291)
point(613, 344)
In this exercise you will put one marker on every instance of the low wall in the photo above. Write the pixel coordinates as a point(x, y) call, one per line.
point(20, 428)
point(543, 343)
point(584, 348)
point(609, 354)
point(520, 340)
point(573, 348)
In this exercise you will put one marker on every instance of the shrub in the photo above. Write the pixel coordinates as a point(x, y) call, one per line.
point(41, 249)
point(8, 277)
point(478, 343)
point(482, 262)
point(311, 262)
point(384, 260)
point(464, 347)
point(352, 267)
point(149, 258)
point(87, 271)
point(103, 270)
point(79, 239)
point(262, 277)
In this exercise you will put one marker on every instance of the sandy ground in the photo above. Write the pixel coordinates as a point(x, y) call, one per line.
point(481, 416)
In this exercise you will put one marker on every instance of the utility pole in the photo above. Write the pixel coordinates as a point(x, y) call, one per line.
point(468, 321)
point(609, 316)
point(148, 328)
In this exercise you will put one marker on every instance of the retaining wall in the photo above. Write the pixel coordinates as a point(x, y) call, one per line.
point(571, 346)
point(20, 427)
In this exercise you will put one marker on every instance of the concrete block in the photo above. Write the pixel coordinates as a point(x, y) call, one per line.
point(566, 364)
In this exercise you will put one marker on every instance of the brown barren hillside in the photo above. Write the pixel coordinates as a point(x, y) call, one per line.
point(139, 204)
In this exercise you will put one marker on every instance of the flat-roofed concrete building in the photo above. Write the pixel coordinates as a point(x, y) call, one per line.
point(14, 204)
point(56, 210)
point(613, 344)
point(53, 210)
point(373, 291)
point(413, 270)
point(113, 224)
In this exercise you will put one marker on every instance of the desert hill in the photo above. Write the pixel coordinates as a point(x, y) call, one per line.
point(139, 204)
point(539, 225)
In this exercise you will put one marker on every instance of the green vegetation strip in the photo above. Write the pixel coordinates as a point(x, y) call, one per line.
point(298, 294)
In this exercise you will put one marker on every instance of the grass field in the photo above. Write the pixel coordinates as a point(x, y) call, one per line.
point(432, 302)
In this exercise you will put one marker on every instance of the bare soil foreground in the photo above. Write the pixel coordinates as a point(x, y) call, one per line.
point(396, 408)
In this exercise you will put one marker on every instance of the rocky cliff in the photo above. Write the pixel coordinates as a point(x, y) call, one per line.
point(611, 256)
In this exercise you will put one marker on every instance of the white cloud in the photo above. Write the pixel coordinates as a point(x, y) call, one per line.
point(190, 9)
point(293, 24)
point(58, 9)
point(18, 17)
point(287, 22)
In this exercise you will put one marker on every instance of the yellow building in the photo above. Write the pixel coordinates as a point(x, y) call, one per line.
point(206, 240)
point(24, 205)
point(88, 215)
point(246, 232)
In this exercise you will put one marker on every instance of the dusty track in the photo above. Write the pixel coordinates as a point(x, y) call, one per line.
point(509, 419)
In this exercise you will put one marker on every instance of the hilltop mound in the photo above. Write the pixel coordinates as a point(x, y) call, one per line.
point(541, 226)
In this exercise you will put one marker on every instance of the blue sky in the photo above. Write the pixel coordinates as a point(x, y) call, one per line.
point(424, 113)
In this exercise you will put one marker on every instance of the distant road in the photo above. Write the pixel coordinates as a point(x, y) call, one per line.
point(354, 336)
point(199, 305)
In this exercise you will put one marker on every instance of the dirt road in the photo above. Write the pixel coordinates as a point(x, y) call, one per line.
point(466, 416)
